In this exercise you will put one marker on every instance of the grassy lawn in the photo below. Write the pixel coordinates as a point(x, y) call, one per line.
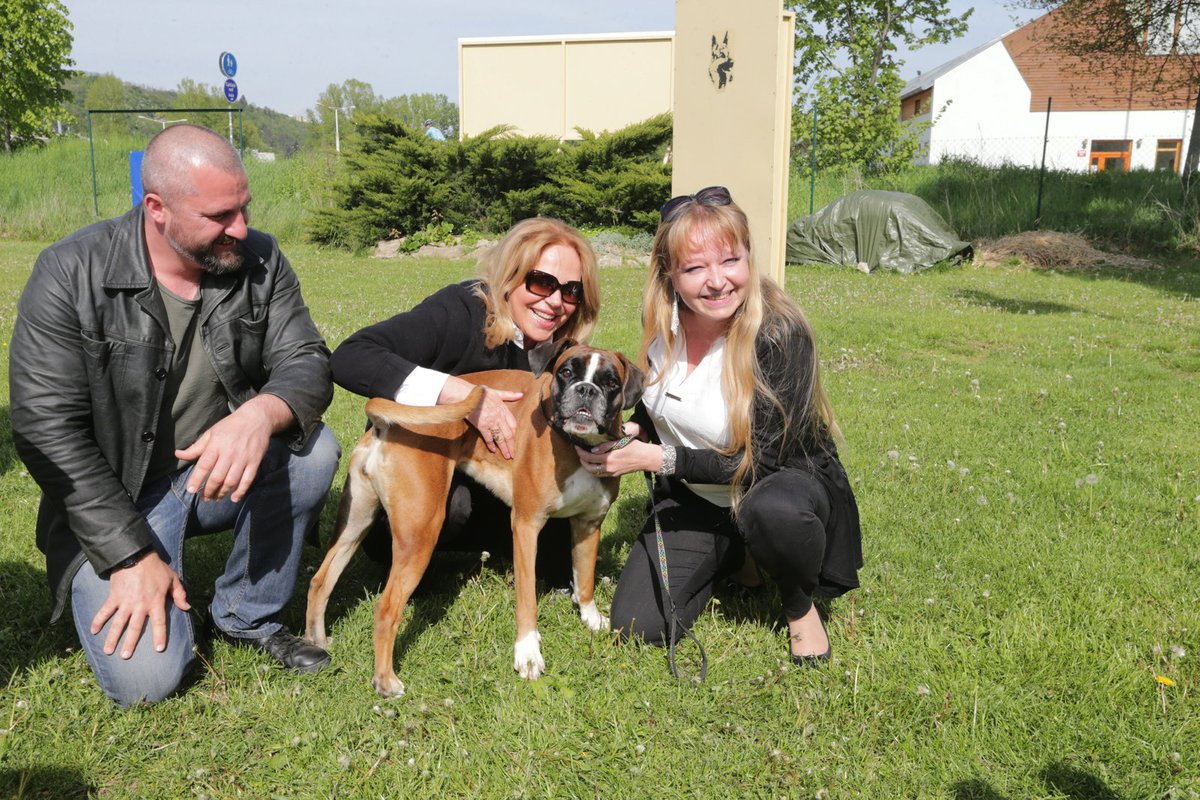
point(1026, 451)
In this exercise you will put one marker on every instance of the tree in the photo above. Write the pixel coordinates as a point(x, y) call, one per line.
point(1152, 47)
point(35, 47)
point(354, 98)
point(107, 91)
point(192, 94)
point(846, 69)
point(414, 109)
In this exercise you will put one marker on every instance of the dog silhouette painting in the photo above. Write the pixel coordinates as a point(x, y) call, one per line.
point(720, 67)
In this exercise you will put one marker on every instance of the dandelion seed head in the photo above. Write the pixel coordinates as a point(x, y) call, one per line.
point(22, 704)
point(485, 555)
point(447, 702)
point(964, 472)
point(412, 762)
point(983, 501)
point(928, 601)
point(894, 455)
point(344, 761)
point(1091, 479)
point(950, 464)
point(641, 748)
point(923, 690)
point(1178, 651)
point(987, 593)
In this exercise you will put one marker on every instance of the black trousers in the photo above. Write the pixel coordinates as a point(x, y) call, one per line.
point(476, 520)
point(781, 524)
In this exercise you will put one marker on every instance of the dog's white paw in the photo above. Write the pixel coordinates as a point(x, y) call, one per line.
point(389, 686)
point(527, 656)
point(592, 617)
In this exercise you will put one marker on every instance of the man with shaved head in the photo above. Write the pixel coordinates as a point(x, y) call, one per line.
point(166, 380)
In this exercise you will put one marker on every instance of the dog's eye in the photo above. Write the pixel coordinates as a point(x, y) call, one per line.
point(565, 373)
point(612, 383)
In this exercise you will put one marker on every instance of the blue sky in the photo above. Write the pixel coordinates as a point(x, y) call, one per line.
point(288, 51)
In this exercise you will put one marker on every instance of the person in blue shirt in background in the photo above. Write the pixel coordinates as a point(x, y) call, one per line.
point(434, 132)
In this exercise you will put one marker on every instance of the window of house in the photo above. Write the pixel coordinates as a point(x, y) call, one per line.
point(1110, 154)
point(917, 104)
point(1166, 157)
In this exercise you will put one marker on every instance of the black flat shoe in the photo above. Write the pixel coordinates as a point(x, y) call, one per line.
point(292, 652)
point(814, 662)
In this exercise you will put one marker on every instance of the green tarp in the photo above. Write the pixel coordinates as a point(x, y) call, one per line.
point(874, 230)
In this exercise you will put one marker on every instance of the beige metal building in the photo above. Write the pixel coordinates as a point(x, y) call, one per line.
point(551, 85)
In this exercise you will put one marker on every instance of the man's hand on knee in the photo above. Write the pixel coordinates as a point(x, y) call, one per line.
point(229, 453)
point(136, 593)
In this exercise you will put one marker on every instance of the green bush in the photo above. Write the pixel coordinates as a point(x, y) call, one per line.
point(398, 182)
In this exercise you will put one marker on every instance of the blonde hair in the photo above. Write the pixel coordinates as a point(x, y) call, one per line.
point(767, 312)
point(504, 267)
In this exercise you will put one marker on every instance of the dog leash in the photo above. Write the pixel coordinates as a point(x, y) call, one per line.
point(674, 623)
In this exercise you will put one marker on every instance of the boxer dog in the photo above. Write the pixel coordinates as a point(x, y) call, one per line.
point(405, 462)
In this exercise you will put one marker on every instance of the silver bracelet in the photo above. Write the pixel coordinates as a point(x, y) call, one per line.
point(668, 460)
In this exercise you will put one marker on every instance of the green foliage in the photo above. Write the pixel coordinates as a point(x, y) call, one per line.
point(394, 181)
point(284, 190)
point(1146, 210)
point(35, 50)
point(433, 233)
point(106, 92)
point(846, 69)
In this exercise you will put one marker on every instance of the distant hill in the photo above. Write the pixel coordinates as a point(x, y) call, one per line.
point(266, 129)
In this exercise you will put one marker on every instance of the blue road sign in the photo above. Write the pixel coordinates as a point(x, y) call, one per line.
point(231, 93)
point(228, 65)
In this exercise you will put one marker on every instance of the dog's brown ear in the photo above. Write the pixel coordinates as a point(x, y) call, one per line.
point(631, 389)
point(545, 354)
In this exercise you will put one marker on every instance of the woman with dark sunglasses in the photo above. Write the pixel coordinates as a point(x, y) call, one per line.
point(539, 283)
point(735, 422)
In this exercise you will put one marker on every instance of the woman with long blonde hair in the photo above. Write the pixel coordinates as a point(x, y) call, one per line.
point(540, 283)
point(736, 423)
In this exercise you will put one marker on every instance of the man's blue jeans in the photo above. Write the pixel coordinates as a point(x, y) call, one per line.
point(269, 526)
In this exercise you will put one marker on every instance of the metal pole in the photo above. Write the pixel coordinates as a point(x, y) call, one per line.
point(92, 148)
point(1037, 219)
point(337, 135)
point(812, 176)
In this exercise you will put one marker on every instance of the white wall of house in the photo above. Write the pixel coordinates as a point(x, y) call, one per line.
point(980, 110)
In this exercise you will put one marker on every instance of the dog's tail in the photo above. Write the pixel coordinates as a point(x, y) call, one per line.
point(383, 413)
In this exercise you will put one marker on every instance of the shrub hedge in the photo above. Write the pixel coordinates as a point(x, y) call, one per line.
point(394, 181)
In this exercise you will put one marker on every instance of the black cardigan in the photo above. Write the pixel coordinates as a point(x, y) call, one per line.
point(443, 332)
point(843, 545)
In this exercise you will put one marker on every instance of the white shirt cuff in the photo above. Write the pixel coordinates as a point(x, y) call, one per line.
point(421, 387)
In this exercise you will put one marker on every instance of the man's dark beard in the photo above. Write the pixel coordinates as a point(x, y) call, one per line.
point(213, 265)
point(208, 259)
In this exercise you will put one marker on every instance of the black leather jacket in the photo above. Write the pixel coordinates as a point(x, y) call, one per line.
point(89, 354)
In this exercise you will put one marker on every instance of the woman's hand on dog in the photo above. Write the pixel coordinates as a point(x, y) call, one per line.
point(492, 418)
point(608, 460)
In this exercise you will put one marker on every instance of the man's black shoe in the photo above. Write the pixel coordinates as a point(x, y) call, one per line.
point(291, 651)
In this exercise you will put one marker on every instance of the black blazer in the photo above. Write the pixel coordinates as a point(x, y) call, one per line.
point(443, 332)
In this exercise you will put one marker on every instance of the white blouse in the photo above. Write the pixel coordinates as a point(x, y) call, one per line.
point(690, 410)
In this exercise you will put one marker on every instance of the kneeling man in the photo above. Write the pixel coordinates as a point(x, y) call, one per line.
point(166, 379)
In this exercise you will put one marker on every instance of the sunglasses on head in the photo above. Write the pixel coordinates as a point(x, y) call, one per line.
point(543, 284)
point(708, 196)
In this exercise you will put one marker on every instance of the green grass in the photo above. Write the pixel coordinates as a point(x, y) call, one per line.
point(46, 192)
point(1014, 616)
